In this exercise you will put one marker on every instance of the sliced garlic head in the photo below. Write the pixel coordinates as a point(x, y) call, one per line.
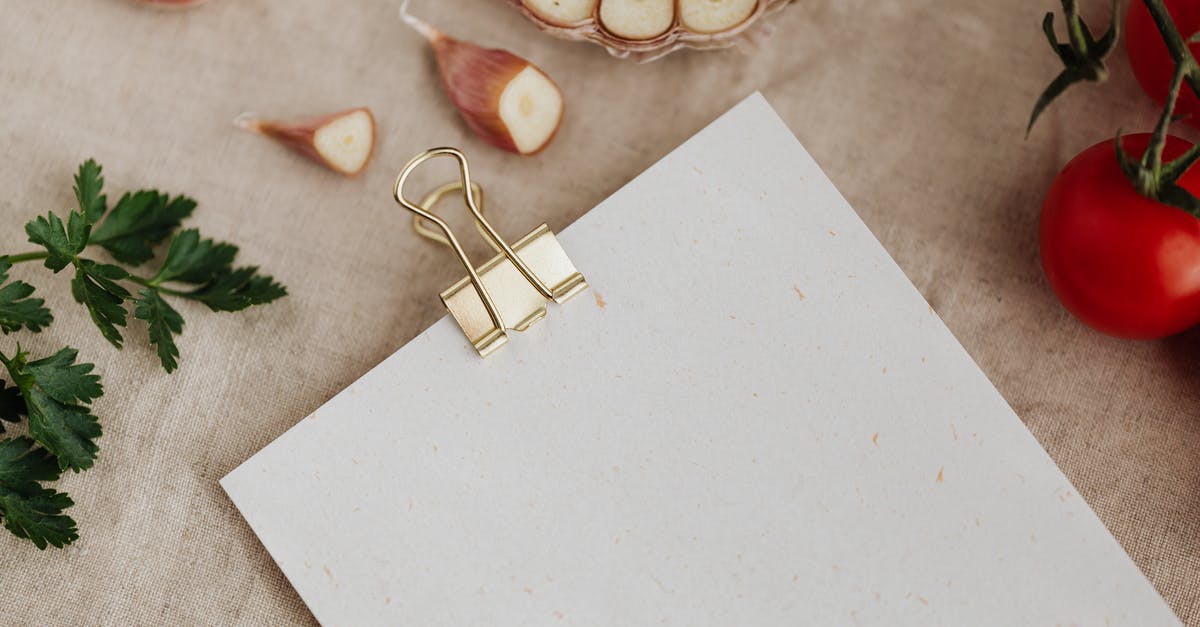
point(531, 106)
point(647, 29)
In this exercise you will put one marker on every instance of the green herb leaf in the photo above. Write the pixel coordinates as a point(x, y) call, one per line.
point(88, 183)
point(194, 260)
point(56, 392)
point(62, 244)
point(138, 222)
point(66, 430)
point(64, 380)
point(239, 289)
point(165, 323)
point(12, 404)
point(17, 310)
point(95, 287)
point(29, 510)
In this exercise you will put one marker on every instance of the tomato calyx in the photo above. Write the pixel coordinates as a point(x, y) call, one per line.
point(1150, 175)
point(1082, 55)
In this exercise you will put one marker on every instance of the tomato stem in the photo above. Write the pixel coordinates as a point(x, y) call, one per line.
point(1082, 55)
point(1152, 159)
point(1152, 177)
point(1176, 45)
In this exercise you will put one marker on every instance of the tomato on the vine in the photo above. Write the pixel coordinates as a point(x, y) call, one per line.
point(1148, 56)
point(1122, 263)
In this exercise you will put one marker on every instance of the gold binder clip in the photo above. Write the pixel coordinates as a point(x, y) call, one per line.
point(510, 291)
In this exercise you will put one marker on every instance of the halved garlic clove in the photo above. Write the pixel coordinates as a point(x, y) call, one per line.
point(342, 141)
point(506, 100)
point(531, 108)
point(637, 19)
point(714, 16)
point(648, 29)
point(562, 12)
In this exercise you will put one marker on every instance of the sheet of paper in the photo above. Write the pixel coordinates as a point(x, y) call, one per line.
point(752, 418)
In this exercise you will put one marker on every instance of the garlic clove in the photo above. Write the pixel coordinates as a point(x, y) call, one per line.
point(506, 100)
point(714, 16)
point(342, 141)
point(637, 19)
point(562, 12)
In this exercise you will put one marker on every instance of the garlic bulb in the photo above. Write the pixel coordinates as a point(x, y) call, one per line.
point(648, 29)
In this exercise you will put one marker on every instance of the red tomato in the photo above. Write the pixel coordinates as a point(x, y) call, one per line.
point(1122, 263)
point(1148, 56)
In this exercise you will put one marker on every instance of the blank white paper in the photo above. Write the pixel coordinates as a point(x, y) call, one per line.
point(752, 418)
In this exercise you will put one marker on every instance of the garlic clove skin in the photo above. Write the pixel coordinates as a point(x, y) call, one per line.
point(562, 12)
point(343, 141)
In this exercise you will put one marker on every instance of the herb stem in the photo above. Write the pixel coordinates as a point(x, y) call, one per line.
point(23, 257)
point(154, 285)
point(37, 256)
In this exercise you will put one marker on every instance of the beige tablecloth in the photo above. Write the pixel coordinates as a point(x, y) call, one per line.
point(915, 108)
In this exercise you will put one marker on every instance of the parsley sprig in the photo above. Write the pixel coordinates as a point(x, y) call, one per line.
point(51, 397)
point(203, 269)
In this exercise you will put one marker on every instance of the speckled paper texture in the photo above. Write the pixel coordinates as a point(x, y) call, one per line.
point(751, 418)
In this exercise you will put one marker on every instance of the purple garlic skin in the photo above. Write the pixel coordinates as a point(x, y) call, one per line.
point(644, 30)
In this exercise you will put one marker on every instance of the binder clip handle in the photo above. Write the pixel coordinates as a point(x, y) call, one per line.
point(469, 196)
point(514, 285)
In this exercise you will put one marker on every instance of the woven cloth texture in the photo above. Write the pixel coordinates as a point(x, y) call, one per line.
point(915, 109)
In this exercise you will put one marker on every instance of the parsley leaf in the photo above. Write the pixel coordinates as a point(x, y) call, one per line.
point(27, 509)
point(61, 244)
point(12, 405)
point(194, 260)
point(209, 264)
point(238, 289)
point(95, 287)
point(66, 430)
point(64, 380)
point(88, 183)
point(56, 393)
point(16, 308)
point(165, 323)
point(139, 221)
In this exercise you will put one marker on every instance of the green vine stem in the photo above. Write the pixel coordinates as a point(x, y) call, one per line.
point(1151, 176)
point(1083, 57)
